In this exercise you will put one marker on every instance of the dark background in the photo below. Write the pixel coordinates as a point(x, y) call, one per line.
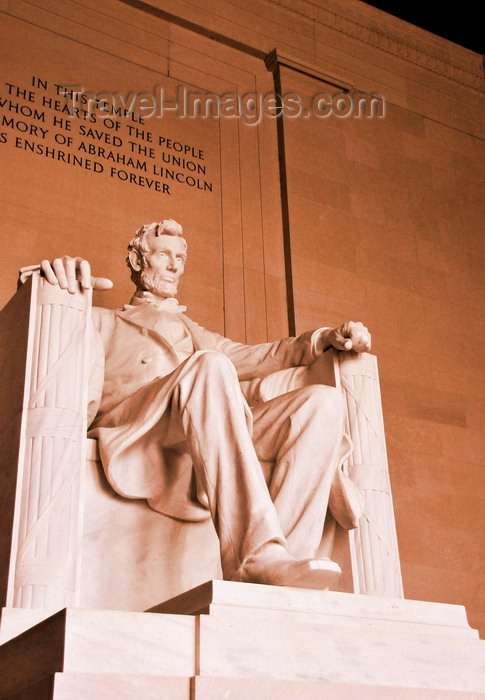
point(457, 22)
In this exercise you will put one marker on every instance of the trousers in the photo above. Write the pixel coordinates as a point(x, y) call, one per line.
point(267, 471)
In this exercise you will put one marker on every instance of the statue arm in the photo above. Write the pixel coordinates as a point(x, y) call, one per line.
point(265, 358)
point(257, 361)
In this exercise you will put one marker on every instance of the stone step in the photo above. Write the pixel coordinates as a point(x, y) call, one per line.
point(99, 641)
point(279, 648)
point(216, 688)
point(289, 633)
point(96, 686)
point(217, 598)
point(84, 686)
point(240, 636)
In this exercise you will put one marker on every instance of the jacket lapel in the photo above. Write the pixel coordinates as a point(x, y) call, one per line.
point(146, 316)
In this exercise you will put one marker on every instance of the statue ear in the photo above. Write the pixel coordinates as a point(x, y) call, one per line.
point(135, 260)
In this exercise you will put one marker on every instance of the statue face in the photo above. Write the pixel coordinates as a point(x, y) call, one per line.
point(164, 265)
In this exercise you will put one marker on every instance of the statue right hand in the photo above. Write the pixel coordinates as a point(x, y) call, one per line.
point(66, 271)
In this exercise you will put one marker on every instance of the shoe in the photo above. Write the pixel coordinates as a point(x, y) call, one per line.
point(273, 566)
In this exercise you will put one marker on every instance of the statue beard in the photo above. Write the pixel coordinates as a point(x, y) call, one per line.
point(152, 281)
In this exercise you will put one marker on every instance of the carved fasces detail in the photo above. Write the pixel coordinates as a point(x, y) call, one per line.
point(374, 551)
point(45, 555)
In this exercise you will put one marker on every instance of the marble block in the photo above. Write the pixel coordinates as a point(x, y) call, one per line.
point(295, 634)
point(133, 556)
point(73, 686)
point(281, 649)
point(247, 640)
point(320, 607)
point(104, 686)
point(99, 641)
point(14, 621)
point(212, 688)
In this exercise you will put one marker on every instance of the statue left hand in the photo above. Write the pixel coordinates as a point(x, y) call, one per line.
point(351, 335)
point(66, 271)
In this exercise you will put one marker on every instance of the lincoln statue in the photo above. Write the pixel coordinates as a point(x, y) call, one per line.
point(175, 428)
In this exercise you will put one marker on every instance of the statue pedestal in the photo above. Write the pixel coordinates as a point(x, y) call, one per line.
point(225, 639)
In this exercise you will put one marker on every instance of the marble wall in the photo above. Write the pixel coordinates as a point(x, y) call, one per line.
point(291, 224)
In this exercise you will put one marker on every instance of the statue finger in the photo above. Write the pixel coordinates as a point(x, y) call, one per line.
point(84, 273)
point(48, 272)
point(60, 273)
point(362, 343)
point(70, 269)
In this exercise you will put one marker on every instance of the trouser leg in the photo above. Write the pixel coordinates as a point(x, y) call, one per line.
point(214, 420)
point(298, 439)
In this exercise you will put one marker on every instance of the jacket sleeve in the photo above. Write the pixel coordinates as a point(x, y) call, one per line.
point(256, 361)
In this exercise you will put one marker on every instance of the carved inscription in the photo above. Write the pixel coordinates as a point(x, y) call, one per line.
point(40, 119)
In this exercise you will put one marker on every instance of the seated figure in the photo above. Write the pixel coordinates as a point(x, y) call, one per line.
point(174, 427)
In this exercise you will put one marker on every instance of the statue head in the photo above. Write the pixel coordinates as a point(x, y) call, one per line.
point(156, 257)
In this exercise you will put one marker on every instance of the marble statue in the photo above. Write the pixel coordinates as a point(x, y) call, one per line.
point(175, 429)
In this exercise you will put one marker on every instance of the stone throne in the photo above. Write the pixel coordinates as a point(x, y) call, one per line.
point(69, 540)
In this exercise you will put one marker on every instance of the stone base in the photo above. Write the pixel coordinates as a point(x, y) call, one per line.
point(96, 686)
point(14, 621)
point(226, 639)
point(80, 686)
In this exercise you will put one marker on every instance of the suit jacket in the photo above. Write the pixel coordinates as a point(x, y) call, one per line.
point(135, 371)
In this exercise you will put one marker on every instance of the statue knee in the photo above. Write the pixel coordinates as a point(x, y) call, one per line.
point(214, 364)
point(324, 401)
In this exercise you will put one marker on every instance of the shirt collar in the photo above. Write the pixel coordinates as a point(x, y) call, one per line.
point(169, 304)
